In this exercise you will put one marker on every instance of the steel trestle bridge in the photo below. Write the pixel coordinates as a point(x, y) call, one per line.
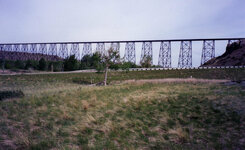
point(59, 50)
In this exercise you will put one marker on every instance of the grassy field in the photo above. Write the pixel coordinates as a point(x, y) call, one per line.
point(61, 112)
point(46, 82)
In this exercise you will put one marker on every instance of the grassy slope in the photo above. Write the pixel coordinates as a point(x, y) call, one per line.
point(57, 113)
point(37, 83)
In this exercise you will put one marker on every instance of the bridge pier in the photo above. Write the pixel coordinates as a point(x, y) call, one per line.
point(164, 59)
point(16, 48)
point(75, 50)
point(87, 49)
point(146, 51)
point(24, 49)
point(63, 51)
point(116, 47)
point(53, 50)
point(100, 48)
point(42, 49)
point(130, 52)
point(185, 55)
point(33, 50)
point(8, 48)
point(208, 51)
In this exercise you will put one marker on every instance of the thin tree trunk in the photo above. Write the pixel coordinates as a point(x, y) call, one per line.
point(106, 70)
point(52, 67)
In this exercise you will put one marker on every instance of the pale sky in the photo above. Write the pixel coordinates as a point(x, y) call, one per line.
point(95, 20)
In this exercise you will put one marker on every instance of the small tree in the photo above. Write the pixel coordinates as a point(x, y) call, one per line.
point(71, 63)
point(109, 59)
point(146, 62)
point(2, 62)
point(86, 62)
point(42, 65)
point(96, 61)
point(19, 64)
point(28, 64)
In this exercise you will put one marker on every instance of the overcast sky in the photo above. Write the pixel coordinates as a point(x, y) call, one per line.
point(93, 20)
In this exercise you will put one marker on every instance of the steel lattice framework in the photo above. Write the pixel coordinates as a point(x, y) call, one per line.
point(87, 49)
point(100, 48)
point(208, 51)
point(8, 48)
point(16, 48)
point(52, 49)
point(75, 50)
point(146, 51)
point(185, 55)
point(2, 57)
point(115, 46)
point(33, 48)
point(164, 59)
point(24, 49)
point(42, 49)
point(1, 47)
point(59, 50)
point(130, 52)
point(63, 51)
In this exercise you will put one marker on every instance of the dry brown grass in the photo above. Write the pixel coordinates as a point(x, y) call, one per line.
point(85, 104)
point(180, 133)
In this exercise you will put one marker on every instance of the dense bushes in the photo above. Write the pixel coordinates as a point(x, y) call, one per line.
point(69, 64)
point(42, 65)
point(91, 61)
point(19, 64)
point(10, 94)
point(32, 64)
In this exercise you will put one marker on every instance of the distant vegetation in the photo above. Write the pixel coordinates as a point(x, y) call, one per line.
point(69, 64)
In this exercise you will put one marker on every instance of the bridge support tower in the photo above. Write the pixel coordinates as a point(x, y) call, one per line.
point(146, 51)
point(87, 49)
point(130, 52)
point(208, 51)
point(164, 59)
point(185, 55)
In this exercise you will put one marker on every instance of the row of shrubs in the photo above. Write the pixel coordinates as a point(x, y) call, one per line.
point(42, 64)
point(69, 64)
